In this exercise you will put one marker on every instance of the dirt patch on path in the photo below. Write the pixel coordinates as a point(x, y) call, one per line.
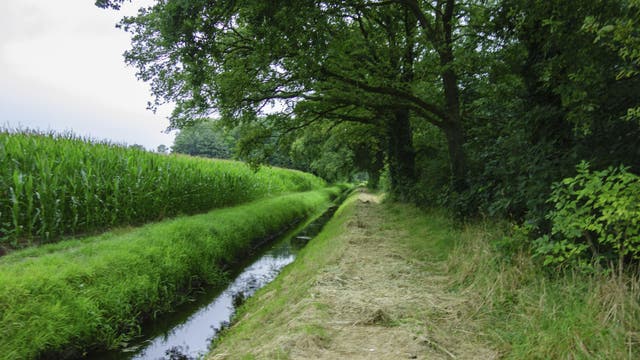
point(375, 299)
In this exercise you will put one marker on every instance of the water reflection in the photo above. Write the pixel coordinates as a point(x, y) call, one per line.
point(188, 332)
point(189, 339)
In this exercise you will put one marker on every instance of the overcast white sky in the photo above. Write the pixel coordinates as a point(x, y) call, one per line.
point(61, 68)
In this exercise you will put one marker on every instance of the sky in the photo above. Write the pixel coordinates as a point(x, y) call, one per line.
point(61, 69)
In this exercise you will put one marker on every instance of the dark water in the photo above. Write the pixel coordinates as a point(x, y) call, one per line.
point(188, 332)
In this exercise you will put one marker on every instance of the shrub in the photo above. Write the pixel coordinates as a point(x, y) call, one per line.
point(595, 219)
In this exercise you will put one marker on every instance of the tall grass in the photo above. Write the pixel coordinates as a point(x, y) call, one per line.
point(59, 184)
point(498, 295)
point(482, 292)
point(93, 293)
point(531, 314)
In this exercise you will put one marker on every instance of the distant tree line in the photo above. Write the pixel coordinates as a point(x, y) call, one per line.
point(204, 139)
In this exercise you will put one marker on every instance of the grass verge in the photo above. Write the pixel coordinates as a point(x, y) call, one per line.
point(260, 318)
point(62, 299)
point(532, 314)
point(448, 291)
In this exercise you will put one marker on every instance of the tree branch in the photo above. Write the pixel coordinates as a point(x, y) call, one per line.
point(430, 108)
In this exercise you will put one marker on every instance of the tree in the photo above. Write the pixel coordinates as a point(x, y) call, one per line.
point(477, 104)
point(337, 152)
point(566, 66)
point(240, 58)
point(620, 34)
point(206, 139)
point(162, 149)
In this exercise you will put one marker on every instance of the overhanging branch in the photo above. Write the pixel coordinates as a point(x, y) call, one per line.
point(385, 90)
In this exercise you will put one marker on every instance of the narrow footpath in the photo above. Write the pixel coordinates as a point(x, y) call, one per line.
point(369, 288)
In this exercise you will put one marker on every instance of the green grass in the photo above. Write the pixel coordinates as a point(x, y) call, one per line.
point(75, 295)
point(53, 185)
point(507, 300)
point(271, 306)
point(521, 309)
point(529, 313)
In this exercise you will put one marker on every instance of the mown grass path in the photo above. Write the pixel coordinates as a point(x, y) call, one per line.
point(370, 287)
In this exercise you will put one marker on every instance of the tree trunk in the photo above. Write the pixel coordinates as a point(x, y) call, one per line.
point(453, 128)
point(401, 155)
point(457, 160)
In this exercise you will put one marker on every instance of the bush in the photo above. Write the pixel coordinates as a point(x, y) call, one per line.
point(595, 219)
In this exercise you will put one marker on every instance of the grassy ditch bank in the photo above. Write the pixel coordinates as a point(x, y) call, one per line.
point(62, 299)
point(391, 281)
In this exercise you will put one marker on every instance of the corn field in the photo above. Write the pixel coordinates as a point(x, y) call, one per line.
point(53, 185)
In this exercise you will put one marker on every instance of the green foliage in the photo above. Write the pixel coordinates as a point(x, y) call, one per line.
point(527, 314)
point(337, 152)
point(162, 149)
point(476, 105)
point(512, 177)
point(261, 142)
point(621, 34)
point(544, 98)
point(54, 185)
point(68, 297)
point(596, 218)
point(302, 62)
point(137, 147)
point(432, 168)
point(206, 139)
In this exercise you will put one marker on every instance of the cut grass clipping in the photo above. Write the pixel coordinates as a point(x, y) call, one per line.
point(273, 313)
point(65, 298)
point(478, 303)
point(53, 185)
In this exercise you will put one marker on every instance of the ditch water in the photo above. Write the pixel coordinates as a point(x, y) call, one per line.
point(188, 332)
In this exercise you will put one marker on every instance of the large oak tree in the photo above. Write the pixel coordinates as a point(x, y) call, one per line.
point(301, 61)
